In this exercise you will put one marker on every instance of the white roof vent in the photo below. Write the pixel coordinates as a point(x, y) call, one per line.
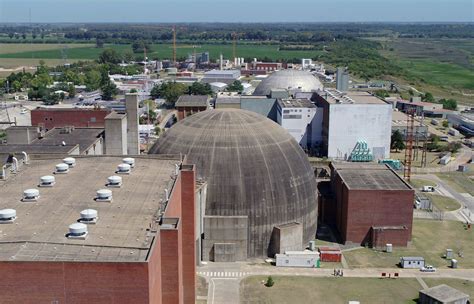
point(47, 181)
point(7, 216)
point(129, 161)
point(30, 195)
point(70, 161)
point(123, 169)
point(104, 195)
point(62, 168)
point(89, 216)
point(77, 231)
point(114, 181)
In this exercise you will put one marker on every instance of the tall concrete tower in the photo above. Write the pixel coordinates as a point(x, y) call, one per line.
point(133, 140)
point(342, 79)
point(116, 134)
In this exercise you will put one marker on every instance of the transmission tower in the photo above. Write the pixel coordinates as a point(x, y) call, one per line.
point(409, 145)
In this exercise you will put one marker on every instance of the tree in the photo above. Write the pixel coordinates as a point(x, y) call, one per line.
point(445, 124)
point(155, 92)
point(11, 35)
point(269, 282)
point(396, 142)
point(109, 90)
point(433, 145)
point(198, 88)
point(23, 35)
point(128, 56)
point(133, 91)
point(449, 104)
point(170, 91)
point(71, 91)
point(427, 97)
point(382, 93)
point(139, 46)
point(92, 80)
point(235, 86)
point(110, 56)
point(99, 43)
point(157, 130)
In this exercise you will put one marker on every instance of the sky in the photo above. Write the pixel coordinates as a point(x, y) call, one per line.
point(47, 11)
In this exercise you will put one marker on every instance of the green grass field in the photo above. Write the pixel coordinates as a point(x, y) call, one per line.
point(328, 290)
point(161, 51)
point(460, 182)
point(430, 239)
point(13, 48)
point(444, 203)
point(462, 285)
point(419, 183)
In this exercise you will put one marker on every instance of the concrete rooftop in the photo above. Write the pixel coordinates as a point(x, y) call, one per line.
point(295, 103)
point(120, 234)
point(370, 176)
point(354, 97)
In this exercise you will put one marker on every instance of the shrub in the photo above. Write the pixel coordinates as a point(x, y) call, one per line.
point(269, 282)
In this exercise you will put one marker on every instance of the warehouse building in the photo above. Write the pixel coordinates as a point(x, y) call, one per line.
point(351, 118)
point(369, 205)
point(53, 117)
point(224, 76)
point(100, 230)
point(258, 178)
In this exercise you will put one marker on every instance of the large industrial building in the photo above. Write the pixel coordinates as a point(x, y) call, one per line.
point(53, 117)
point(258, 178)
point(99, 231)
point(369, 204)
point(351, 118)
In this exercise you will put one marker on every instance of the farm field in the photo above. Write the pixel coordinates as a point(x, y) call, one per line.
point(430, 239)
point(12, 48)
point(328, 290)
point(161, 51)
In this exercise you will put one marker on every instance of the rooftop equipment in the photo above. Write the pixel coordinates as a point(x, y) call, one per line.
point(129, 161)
point(89, 216)
point(30, 195)
point(7, 216)
point(47, 181)
point(62, 168)
point(77, 231)
point(70, 161)
point(123, 169)
point(114, 181)
point(104, 195)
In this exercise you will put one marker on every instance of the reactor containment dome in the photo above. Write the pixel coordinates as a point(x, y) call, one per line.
point(253, 168)
point(292, 80)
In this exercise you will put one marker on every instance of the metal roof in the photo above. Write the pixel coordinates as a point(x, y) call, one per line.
point(84, 137)
point(445, 294)
point(192, 101)
point(369, 176)
point(120, 234)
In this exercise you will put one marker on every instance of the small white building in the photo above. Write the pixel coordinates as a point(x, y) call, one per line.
point(307, 259)
point(296, 116)
point(412, 262)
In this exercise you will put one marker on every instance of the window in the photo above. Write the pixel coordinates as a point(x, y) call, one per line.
point(93, 119)
point(286, 111)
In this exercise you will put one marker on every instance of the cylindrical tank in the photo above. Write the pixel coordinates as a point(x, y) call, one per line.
point(104, 194)
point(70, 161)
point(62, 168)
point(454, 263)
point(89, 214)
point(129, 161)
point(7, 214)
point(47, 180)
point(77, 229)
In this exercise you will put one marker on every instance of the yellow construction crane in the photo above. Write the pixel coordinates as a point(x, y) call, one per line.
point(174, 45)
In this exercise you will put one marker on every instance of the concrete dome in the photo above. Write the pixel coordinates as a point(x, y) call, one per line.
point(252, 166)
point(289, 79)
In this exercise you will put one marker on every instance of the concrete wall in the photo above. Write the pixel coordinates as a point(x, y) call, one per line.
point(225, 229)
point(21, 135)
point(263, 106)
point(116, 136)
point(285, 238)
point(96, 149)
point(133, 137)
point(296, 122)
point(350, 123)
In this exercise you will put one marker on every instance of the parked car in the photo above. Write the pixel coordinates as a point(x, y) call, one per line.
point(428, 189)
point(428, 268)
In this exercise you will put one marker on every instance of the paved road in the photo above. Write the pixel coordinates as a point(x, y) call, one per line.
point(168, 116)
point(444, 189)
